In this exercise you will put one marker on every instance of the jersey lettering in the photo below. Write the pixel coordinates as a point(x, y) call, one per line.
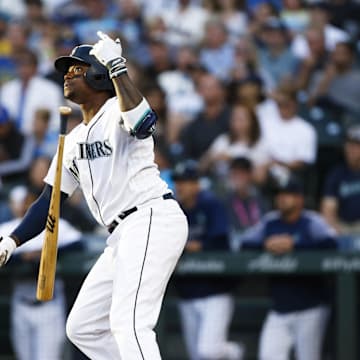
point(91, 151)
point(74, 170)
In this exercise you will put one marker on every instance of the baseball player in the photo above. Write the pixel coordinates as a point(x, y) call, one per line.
point(300, 309)
point(110, 156)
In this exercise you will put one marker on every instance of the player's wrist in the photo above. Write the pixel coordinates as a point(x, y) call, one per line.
point(116, 67)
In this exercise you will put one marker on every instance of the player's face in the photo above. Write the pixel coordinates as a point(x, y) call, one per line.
point(287, 202)
point(75, 86)
point(186, 189)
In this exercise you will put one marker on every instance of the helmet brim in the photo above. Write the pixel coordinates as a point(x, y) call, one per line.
point(63, 63)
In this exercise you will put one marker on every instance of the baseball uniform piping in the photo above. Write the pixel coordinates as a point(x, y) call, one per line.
point(138, 288)
point(91, 177)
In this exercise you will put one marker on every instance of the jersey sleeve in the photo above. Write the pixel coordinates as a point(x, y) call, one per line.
point(68, 181)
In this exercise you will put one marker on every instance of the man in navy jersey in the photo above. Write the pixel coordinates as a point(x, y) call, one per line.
point(341, 201)
point(300, 309)
point(206, 304)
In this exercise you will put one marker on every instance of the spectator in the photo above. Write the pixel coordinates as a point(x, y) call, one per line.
point(315, 62)
point(204, 302)
point(25, 94)
point(96, 15)
point(244, 201)
point(184, 24)
point(16, 150)
point(243, 139)
point(39, 325)
point(276, 60)
point(217, 53)
point(319, 18)
point(197, 136)
point(295, 16)
point(338, 86)
point(341, 200)
point(250, 92)
point(132, 28)
point(259, 15)
point(292, 142)
point(231, 14)
point(46, 141)
point(245, 62)
point(300, 309)
point(160, 59)
point(183, 102)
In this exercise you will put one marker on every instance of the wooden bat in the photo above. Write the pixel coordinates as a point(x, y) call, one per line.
point(47, 270)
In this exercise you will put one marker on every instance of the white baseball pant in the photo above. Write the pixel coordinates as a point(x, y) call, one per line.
point(303, 330)
point(37, 331)
point(119, 303)
point(205, 325)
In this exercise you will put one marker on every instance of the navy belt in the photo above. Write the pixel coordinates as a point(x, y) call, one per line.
point(126, 213)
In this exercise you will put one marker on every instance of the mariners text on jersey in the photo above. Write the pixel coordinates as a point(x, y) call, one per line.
point(94, 150)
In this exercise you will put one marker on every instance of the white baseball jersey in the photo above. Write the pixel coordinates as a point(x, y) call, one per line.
point(115, 171)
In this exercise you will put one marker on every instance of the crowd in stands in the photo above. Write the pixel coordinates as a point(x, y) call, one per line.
point(252, 96)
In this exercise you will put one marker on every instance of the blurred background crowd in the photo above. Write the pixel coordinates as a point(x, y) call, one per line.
point(255, 98)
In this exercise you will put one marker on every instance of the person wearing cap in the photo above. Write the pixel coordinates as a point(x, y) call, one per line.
point(299, 312)
point(243, 199)
point(206, 305)
point(341, 196)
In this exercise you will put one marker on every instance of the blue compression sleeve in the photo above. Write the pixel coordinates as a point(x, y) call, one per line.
point(34, 220)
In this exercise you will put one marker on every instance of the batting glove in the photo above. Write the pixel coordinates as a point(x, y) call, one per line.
point(7, 247)
point(109, 53)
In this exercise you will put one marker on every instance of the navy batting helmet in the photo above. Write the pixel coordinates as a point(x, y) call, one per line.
point(97, 76)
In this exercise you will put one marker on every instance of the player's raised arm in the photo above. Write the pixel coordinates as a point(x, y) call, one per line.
point(137, 115)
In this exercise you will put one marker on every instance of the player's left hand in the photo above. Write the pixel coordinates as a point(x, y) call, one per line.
point(7, 247)
point(107, 50)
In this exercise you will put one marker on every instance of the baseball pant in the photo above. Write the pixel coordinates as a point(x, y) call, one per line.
point(37, 331)
point(303, 330)
point(205, 327)
point(119, 303)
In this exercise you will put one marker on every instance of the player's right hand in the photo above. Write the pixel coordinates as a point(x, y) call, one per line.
point(107, 50)
point(7, 247)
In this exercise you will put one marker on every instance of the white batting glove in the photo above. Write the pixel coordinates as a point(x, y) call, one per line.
point(109, 53)
point(7, 247)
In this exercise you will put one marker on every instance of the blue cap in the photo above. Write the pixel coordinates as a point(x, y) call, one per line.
point(186, 170)
point(290, 185)
point(4, 115)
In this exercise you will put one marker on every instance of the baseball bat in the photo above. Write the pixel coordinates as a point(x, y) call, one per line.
point(47, 270)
